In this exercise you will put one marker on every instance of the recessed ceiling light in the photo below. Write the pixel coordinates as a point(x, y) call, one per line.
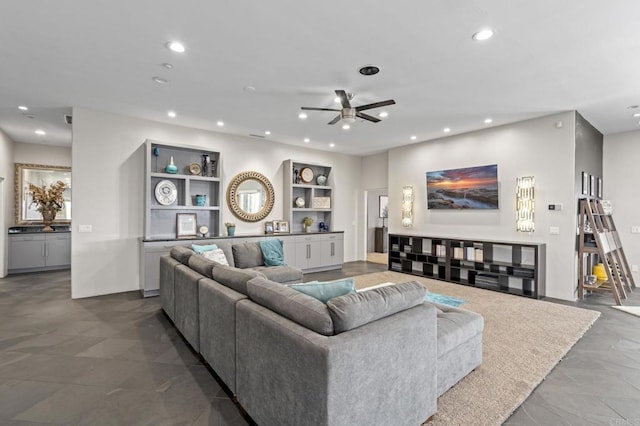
point(167, 65)
point(345, 127)
point(160, 80)
point(482, 35)
point(383, 114)
point(267, 132)
point(369, 70)
point(413, 137)
point(249, 88)
point(488, 120)
point(446, 130)
point(332, 145)
point(40, 132)
point(637, 114)
point(302, 116)
point(23, 108)
point(176, 46)
point(171, 114)
point(220, 123)
point(307, 140)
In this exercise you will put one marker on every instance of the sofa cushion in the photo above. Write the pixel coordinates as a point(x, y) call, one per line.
point(456, 326)
point(291, 304)
point(323, 291)
point(228, 252)
point(280, 274)
point(199, 249)
point(357, 309)
point(181, 254)
point(234, 278)
point(272, 252)
point(247, 255)
point(201, 264)
point(217, 256)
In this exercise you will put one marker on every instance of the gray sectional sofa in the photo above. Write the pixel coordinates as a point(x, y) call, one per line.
point(377, 357)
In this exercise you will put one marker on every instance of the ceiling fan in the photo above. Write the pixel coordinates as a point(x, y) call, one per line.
point(348, 112)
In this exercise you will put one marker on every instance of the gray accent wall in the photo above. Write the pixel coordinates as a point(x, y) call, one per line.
point(588, 155)
point(538, 148)
point(373, 219)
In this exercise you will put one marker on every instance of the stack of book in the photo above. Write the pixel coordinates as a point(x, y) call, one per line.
point(441, 250)
point(458, 253)
point(486, 280)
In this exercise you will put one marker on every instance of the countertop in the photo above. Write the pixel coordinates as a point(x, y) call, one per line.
point(37, 229)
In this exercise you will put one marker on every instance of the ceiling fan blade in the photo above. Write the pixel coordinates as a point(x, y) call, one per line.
point(375, 105)
point(344, 99)
point(318, 109)
point(367, 117)
point(335, 120)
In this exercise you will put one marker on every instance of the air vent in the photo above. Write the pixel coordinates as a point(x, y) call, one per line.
point(68, 118)
point(256, 136)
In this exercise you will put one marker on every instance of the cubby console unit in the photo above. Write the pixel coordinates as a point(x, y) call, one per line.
point(509, 267)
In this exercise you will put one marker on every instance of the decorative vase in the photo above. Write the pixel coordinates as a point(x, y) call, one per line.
point(201, 200)
point(321, 180)
point(48, 216)
point(307, 228)
point(171, 167)
point(231, 231)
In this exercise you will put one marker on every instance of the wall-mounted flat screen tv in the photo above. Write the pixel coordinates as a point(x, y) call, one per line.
point(469, 188)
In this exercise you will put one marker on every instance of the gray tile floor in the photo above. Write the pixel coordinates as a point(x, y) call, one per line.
point(117, 360)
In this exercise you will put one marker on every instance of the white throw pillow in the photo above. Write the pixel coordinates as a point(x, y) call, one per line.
point(216, 255)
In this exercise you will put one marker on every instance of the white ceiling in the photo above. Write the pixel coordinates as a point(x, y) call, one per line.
point(546, 56)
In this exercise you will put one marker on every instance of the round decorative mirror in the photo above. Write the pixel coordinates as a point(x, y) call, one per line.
point(250, 196)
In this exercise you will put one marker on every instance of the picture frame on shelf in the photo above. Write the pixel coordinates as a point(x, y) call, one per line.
point(268, 228)
point(585, 183)
point(284, 226)
point(276, 226)
point(592, 185)
point(186, 225)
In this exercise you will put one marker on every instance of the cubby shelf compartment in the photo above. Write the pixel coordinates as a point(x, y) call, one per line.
point(309, 192)
point(508, 267)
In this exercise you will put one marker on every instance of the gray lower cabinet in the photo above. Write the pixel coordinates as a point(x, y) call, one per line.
point(39, 252)
point(309, 252)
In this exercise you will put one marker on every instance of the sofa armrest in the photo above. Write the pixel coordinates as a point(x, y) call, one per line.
point(384, 372)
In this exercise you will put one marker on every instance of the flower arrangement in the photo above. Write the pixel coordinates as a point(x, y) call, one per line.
point(229, 224)
point(307, 221)
point(47, 199)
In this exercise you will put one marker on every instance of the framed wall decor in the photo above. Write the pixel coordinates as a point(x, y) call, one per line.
point(186, 225)
point(592, 185)
point(585, 183)
point(383, 206)
point(599, 193)
point(40, 175)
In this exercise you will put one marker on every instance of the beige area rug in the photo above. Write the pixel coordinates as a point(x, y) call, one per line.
point(633, 310)
point(523, 340)
point(377, 258)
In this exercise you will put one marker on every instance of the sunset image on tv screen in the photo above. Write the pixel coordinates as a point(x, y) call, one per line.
point(469, 188)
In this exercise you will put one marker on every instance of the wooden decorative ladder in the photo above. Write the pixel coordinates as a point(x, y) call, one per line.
point(598, 236)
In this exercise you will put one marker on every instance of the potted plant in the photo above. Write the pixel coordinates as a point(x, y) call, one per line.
point(49, 201)
point(307, 221)
point(231, 228)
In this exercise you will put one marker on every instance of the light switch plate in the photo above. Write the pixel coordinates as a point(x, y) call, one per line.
point(84, 228)
point(554, 230)
point(635, 229)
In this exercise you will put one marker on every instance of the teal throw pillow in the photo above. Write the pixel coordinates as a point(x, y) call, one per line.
point(201, 249)
point(272, 252)
point(324, 291)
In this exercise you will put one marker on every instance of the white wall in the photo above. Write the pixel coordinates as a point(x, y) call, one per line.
point(42, 154)
point(530, 148)
point(108, 162)
point(621, 176)
point(6, 193)
point(375, 178)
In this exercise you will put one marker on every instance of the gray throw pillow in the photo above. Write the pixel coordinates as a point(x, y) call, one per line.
point(356, 309)
point(247, 255)
point(234, 278)
point(181, 254)
point(298, 307)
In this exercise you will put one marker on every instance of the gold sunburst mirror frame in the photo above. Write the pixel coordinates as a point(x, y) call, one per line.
point(250, 196)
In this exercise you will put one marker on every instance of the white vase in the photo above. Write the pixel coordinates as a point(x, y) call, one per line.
point(307, 229)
